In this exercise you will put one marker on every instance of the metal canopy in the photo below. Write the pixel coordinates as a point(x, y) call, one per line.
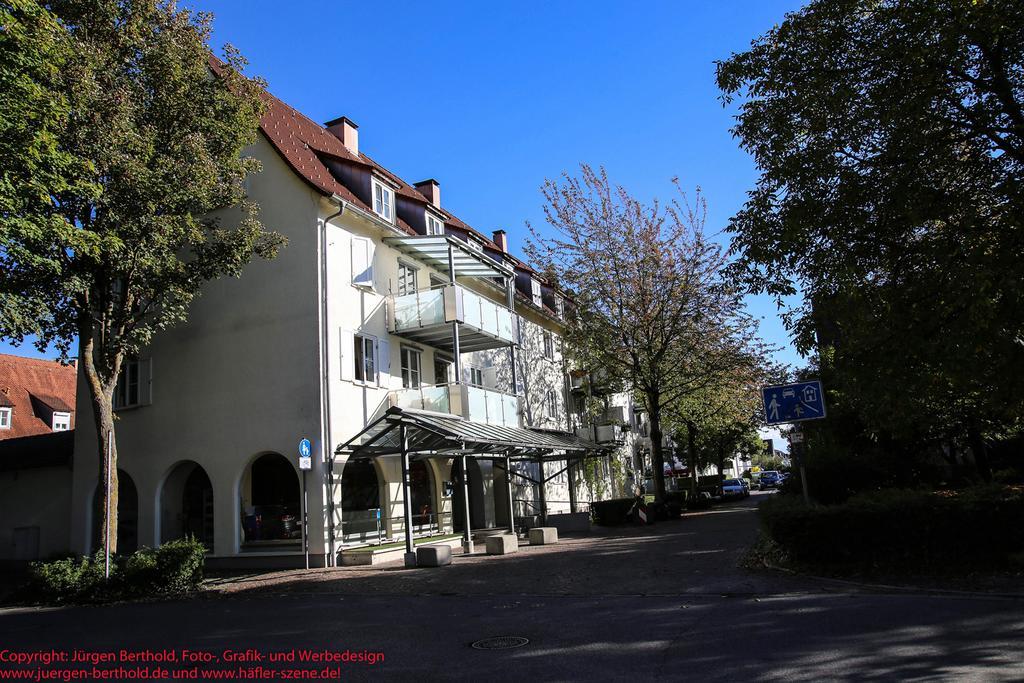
point(433, 250)
point(440, 435)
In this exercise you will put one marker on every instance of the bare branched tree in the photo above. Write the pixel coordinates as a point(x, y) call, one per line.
point(649, 303)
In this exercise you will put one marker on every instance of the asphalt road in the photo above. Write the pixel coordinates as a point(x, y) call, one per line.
point(663, 602)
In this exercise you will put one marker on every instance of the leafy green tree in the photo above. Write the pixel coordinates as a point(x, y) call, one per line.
point(649, 303)
point(123, 144)
point(723, 417)
point(890, 142)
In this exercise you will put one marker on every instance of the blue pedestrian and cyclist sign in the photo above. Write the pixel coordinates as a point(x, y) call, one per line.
point(305, 455)
point(793, 402)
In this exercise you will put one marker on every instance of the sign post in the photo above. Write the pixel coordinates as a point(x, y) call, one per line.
point(305, 464)
point(795, 403)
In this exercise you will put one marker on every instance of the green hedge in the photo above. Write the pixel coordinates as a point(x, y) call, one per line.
point(175, 568)
point(901, 530)
point(611, 512)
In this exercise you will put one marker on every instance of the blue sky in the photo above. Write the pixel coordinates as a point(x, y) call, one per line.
point(492, 98)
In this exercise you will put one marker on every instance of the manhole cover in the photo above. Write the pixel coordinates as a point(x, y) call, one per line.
point(500, 643)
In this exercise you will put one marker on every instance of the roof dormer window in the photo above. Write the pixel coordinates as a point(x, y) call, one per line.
point(5, 418)
point(559, 306)
point(474, 245)
point(435, 226)
point(383, 201)
point(536, 291)
point(61, 422)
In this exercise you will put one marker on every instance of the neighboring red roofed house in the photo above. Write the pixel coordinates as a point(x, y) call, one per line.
point(37, 416)
point(36, 396)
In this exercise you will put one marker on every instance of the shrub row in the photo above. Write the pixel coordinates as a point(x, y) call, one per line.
point(901, 530)
point(174, 568)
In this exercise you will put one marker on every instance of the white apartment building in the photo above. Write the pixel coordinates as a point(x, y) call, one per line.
point(383, 300)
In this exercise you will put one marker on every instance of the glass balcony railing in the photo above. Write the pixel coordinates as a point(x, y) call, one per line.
point(436, 398)
point(477, 404)
point(426, 316)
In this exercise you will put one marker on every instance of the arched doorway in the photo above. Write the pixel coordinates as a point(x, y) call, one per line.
point(422, 496)
point(127, 515)
point(360, 502)
point(270, 501)
point(186, 504)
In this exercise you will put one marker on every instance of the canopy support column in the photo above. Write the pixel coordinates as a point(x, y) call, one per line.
point(456, 351)
point(511, 504)
point(510, 297)
point(467, 531)
point(543, 493)
point(571, 470)
point(410, 550)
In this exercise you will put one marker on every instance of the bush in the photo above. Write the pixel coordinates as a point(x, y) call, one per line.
point(175, 568)
point(900, 531)
point(72, 579)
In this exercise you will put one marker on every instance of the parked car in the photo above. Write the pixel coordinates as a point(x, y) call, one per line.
point(769, 479)
point(735, 488)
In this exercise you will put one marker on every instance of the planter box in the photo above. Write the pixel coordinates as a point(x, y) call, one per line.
point(357, 557)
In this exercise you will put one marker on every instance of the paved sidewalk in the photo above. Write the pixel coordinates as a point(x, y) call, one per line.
point(697, 554)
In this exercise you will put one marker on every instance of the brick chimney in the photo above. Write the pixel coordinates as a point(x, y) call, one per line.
point(431, 189)
point(346, 131)
point(501, 239)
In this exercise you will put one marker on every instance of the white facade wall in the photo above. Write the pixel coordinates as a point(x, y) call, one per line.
point(237, 380)
point(268, 359)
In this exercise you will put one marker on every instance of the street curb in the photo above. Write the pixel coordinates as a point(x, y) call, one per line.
point(887, 588)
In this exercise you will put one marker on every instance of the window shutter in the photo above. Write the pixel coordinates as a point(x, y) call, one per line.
point(145, 381)
point(383, 363)
point(347, 355)
point(362, 261)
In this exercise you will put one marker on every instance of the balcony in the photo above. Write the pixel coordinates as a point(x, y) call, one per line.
point(426, 317)
point(602, 434)
point(477, 404)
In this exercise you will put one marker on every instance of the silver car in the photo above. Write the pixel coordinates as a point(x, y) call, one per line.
point(735, 488)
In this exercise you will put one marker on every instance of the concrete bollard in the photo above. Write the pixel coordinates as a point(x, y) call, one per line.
point(503, 544)
point(543, 535)
point(434, 555)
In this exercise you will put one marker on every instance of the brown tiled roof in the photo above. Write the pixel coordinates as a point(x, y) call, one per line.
point(46, 380)
point(304, 143)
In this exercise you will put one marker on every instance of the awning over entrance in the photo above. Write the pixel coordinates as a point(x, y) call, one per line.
point(431, 434)
point(434, 250)
point(422, 434)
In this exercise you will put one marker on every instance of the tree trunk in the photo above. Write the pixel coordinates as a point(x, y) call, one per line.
point(691, 449)
point(657, 454)
point(720, 462)
point(101, 393)
point(980, 452)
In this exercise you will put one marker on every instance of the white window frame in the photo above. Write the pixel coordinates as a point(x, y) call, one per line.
point(383, 201)
point(406, 270)
point(476, 376)
point(435, 226)
point(407, 369)
point(131, 369)
point(552, 404)
point(361, 344)
point(559, 307)
point(61, 422)
point(474, 245)
point(536, 292)
point(6, 415)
